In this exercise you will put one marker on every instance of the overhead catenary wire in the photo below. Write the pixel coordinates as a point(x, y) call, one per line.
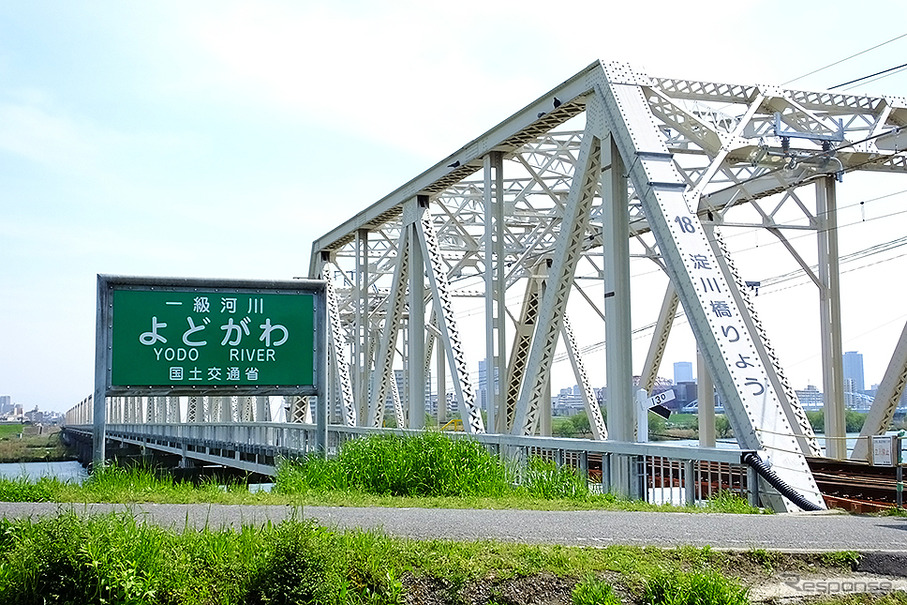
point(848, 58)
point(884, 73)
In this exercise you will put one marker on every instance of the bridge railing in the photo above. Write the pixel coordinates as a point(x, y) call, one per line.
point(662, 473)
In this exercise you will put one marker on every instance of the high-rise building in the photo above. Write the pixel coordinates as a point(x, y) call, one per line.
point(483, 380)
point(683, 372)
point(853, 370)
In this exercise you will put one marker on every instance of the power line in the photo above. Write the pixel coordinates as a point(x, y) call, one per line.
point(875, 79)
point(862, 52)
point(878, 73)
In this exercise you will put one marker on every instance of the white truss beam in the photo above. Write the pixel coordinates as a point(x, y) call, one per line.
point(618, 327)
point(495, 285)
point(522, 344)
point(417, 376)
point(830, 318)
point(590, 402)
point(337, 348)
point(361, 326)
point(726, 342)
point(659, 339)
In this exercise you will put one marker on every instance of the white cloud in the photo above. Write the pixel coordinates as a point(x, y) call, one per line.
point(429, 77)
point(32, 133)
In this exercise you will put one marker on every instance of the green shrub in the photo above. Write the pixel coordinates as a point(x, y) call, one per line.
point(428, 464)
point(302, 569)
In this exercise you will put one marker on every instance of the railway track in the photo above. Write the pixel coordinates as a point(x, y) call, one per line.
point(853, 486)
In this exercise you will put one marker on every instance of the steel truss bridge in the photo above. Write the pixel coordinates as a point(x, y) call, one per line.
point(613, 167)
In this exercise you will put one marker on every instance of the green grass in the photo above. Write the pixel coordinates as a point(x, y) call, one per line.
point(428, 470)
point(429, 464)
point(116, 559)
point(729, 502)
point(432, 466)
point(9, 431)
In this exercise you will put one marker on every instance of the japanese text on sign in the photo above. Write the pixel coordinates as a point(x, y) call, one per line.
point(212, 339)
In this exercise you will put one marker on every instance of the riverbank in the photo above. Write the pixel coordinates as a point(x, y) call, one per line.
point(32, 443)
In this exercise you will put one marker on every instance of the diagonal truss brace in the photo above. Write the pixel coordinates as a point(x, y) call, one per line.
point(384, 361)
point(727, 343)
point(787, 397)
point(554, 300)
point(447, 325)
point(590, 402)
point(659, 339)
point(522, 343)
point(886, 400)
point(337, 348)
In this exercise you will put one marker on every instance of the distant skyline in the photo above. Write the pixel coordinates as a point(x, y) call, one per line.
point(220, 138)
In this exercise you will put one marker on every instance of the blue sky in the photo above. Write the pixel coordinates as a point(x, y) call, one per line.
point(218, 139)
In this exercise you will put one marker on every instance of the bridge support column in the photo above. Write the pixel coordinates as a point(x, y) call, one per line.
point(415, 361)
point(618, 335)
point(705, 389)
point(830, 318)
point(495, 309)
point(360, 344)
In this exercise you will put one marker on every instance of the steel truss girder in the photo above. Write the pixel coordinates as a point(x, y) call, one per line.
point(723, 146)
point(708, 296)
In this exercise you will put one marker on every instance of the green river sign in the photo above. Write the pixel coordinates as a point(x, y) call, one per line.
point(206, 337)
point(209, 336)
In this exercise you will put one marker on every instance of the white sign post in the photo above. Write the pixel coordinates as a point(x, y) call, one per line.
point(643, 404)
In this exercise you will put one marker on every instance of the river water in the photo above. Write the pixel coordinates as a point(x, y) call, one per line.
point(64, 471)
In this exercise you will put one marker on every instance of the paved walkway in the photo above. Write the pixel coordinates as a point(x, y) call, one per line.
point(806, 531)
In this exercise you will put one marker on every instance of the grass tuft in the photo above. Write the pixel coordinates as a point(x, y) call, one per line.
point(729, 502)
point(543, 479)
point(703, 587)
point(592, 591)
